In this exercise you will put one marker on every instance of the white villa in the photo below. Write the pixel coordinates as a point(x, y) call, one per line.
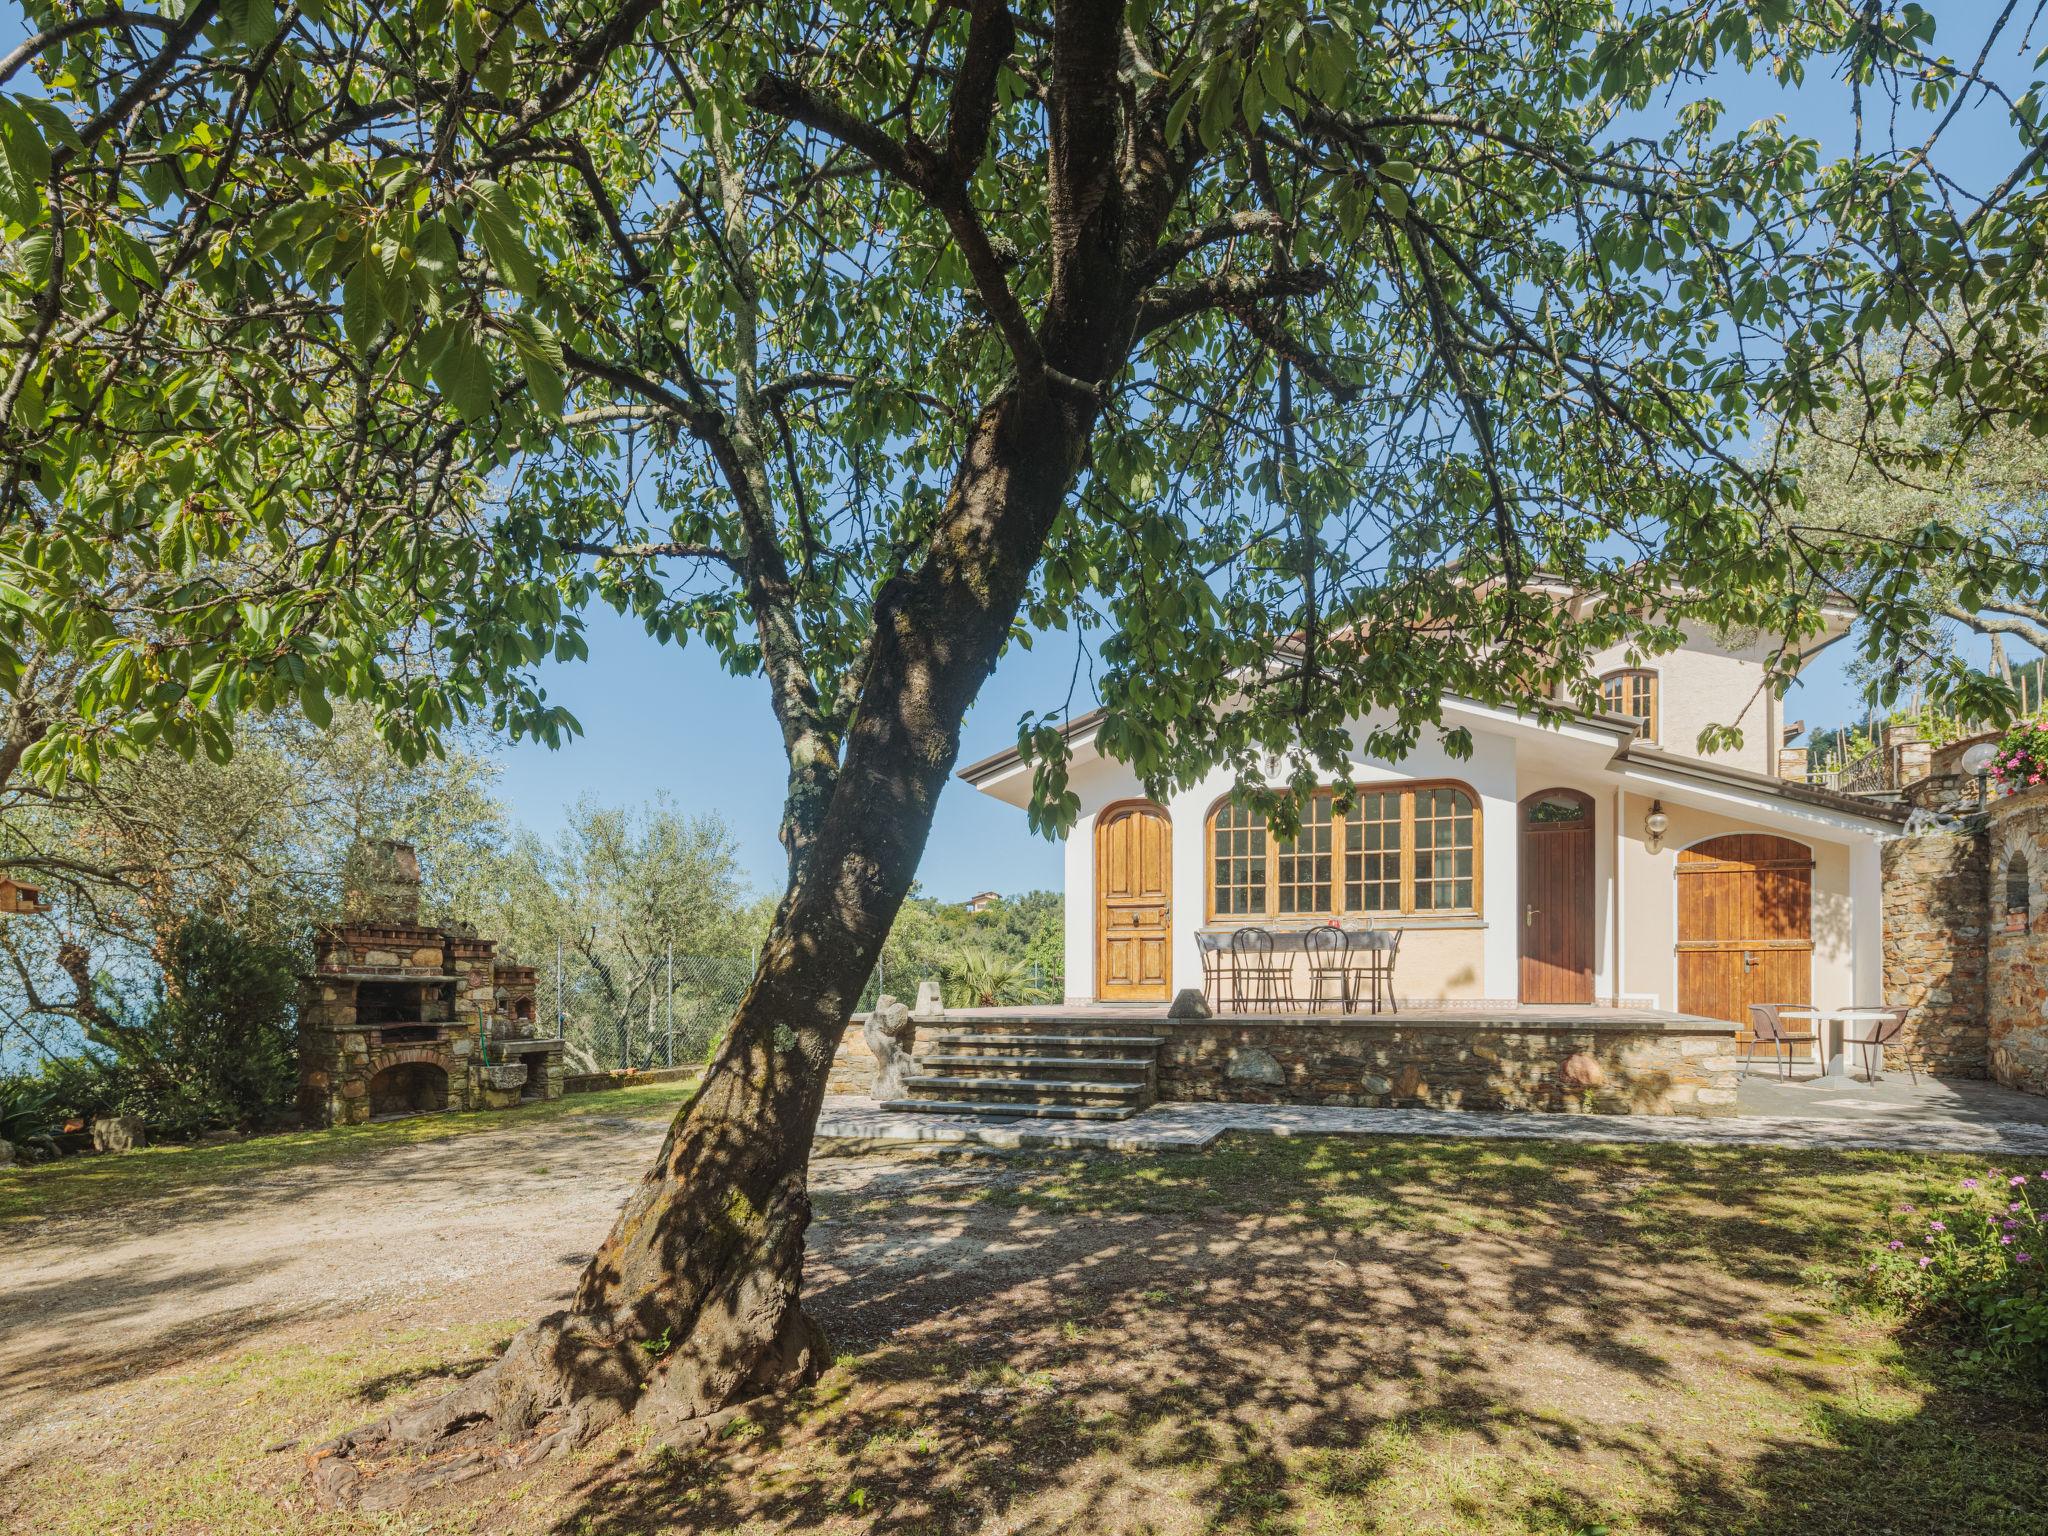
point(1604, 861)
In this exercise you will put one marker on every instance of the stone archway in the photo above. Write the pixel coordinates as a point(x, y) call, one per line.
point(409, 1088)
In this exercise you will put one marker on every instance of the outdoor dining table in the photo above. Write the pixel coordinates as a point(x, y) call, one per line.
point(1214, 943)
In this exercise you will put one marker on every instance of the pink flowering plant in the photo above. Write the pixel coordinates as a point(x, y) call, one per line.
point(1973, 1263)
point(2022, 760)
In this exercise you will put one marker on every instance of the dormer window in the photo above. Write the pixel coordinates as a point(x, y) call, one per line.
point(1632, 691)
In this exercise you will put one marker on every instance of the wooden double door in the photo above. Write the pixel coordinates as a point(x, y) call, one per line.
point(1133, 904)
point(1558, 895)
point(1745, 925)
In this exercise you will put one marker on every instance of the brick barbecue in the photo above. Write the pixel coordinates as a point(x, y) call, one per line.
point(400, 1018)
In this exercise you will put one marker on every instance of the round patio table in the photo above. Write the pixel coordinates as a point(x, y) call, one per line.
point(1841, 1019)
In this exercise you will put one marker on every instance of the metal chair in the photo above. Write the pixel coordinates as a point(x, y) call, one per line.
point(1767, 1027)
point(1370, 972)
point(1329, 964)
point(1215, 967)
point(1889, 1026)
point(1255, 980)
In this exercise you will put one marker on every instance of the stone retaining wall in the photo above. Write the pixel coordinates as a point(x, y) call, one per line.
point(1452, 1065)
point(853, 1066)
point(1934, 953)
point(2017, 973)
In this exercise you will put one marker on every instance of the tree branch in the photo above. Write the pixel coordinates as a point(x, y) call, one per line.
point(652, 551)
point(1171, 253)
point(1233, 291)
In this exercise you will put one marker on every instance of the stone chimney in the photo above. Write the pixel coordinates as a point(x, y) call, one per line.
point(1792, 764)
point(381, 883)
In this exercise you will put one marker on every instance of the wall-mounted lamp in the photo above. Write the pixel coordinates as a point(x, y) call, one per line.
point(1655, 824)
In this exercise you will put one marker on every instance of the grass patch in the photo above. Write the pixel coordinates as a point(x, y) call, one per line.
point(91, 1184)
point(1270, 1338)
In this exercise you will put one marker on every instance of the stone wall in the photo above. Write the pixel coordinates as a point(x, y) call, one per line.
point(2017, 973)
point(1934, 952)
point(1449, 1063)
point(853, 1067)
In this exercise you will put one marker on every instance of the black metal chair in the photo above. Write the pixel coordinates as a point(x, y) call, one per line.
point(1215, 967)
point(1256, 980)
point(1889, 1026)
point(1329, 965)
point(1370, 969)
point(1767, 1027)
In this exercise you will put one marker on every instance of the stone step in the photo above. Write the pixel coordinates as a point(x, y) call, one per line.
point(1089, 1063)
point(1072, 1085)
point(1014, 1111)
point(1077, 1042)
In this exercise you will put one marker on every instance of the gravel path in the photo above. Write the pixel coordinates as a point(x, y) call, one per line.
point(95, 1300)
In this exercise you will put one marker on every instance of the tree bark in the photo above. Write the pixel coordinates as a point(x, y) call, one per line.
point(693, 1303)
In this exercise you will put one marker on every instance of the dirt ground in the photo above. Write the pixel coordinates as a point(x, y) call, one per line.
point(1276, 1339)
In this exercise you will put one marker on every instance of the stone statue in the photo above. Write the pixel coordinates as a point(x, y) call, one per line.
point(891, 1033)
point(931, 1002)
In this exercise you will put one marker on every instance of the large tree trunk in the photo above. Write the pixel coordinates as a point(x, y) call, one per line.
point(693, 1303)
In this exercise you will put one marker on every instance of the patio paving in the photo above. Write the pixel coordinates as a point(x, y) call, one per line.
point(1944, 1115)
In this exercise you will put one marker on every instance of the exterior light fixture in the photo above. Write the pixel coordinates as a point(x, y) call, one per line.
point(1655, 824)
point(1977, 762)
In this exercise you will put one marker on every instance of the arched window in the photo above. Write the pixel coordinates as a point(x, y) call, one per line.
point(2019, 887)
point(1400, 850)
point(1633, 692)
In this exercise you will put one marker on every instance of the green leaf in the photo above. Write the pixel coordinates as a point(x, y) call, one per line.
point(496, 223)
point(463, 373)
point(253, 21)
point(549, 392)
point(23, 141)
point(314, 706)
point(361, 311)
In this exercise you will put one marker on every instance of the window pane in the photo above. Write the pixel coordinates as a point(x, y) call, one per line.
point(1444, 851)
point(1238, 867)
point(1632, 693)
point(1372, 855)
point(1303, 883)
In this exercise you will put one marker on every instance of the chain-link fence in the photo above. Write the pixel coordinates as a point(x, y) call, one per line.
point(619, 1005)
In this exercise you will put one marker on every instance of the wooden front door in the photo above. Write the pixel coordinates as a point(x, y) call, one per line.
point(1745, 926)
point(1133, 902)
point(1557, 897)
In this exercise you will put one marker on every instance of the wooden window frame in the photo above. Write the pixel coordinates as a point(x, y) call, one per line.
point(1406, 790)
point(1651, 722)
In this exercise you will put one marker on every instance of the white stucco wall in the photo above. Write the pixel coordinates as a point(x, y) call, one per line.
point(1459, 958)
point(1709, 683)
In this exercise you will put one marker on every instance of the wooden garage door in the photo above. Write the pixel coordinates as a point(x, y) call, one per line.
point(1745, 925)
point(1134, 885)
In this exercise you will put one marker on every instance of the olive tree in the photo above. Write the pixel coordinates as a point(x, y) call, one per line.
point(351, 347)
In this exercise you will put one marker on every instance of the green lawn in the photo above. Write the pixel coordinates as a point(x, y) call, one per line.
point(155, 1174)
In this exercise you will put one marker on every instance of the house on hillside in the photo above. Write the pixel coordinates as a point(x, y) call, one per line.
point(981, 901)
point(1601, 861)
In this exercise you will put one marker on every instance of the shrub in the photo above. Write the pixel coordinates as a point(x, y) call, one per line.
point(28, 1109)
point(214, 1043)
point(1975, 1267)
point(2022, 760)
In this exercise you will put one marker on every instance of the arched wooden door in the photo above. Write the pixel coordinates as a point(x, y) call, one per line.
point(1745, 925)
point(1556, 856)
point(1133, 904)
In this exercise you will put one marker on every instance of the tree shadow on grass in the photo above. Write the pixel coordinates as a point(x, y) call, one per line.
point(1337, 1336)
